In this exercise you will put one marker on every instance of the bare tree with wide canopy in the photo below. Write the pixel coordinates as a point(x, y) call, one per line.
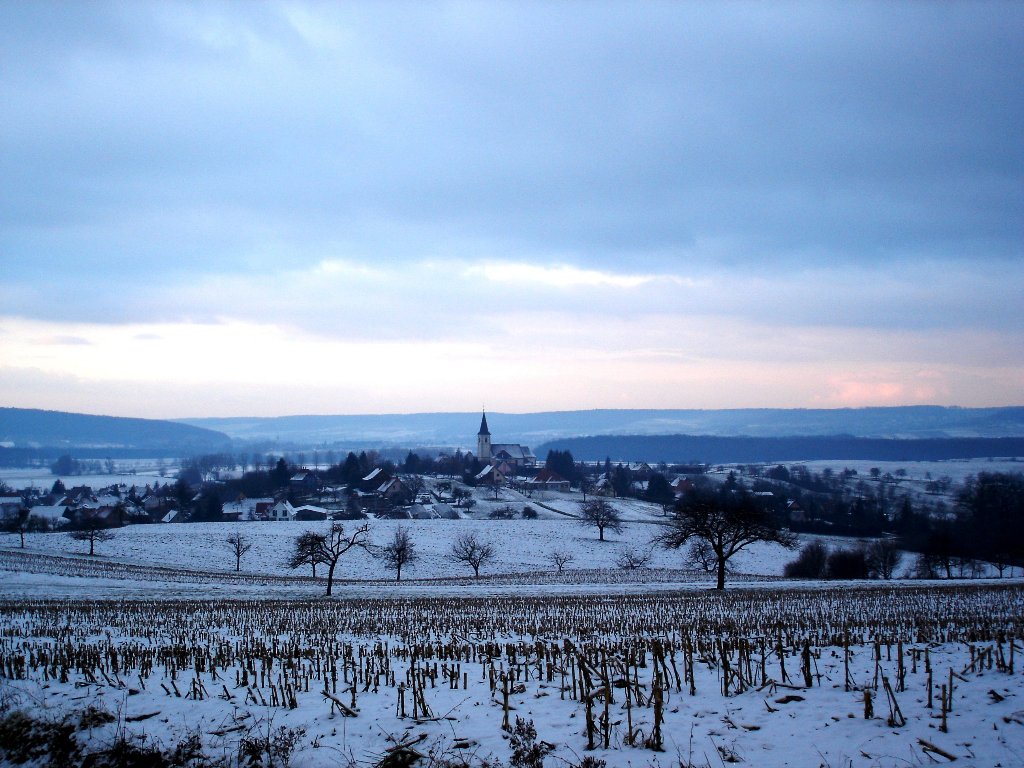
point(721, 523)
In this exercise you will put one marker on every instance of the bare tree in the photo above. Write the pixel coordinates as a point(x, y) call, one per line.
point(586, 486)
point(632, 560)
point(18, 523)
point(600, 514)
point(401, 550)
point(329, 548)
point(883, 557)
point(338, 543)
point(306, 550)
point(726, 522)
point(239, 545)
point(470, 550)
point(414, 484)
point(561, 558)
point(91, 529)
point(701, 556)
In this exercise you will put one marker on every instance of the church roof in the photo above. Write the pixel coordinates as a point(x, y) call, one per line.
point(511, 451)
point(483, 425)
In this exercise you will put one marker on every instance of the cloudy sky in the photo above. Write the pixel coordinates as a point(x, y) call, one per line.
point(277, 208)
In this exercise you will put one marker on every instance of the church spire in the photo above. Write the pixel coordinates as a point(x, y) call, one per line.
point(483, 425)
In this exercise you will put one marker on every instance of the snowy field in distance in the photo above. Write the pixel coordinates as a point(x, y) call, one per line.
point(521, 546)
point(137, 472)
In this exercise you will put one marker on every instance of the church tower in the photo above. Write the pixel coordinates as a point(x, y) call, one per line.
point(483, 440)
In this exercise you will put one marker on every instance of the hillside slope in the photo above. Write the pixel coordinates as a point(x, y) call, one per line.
point(31, 428)
point(459, 429)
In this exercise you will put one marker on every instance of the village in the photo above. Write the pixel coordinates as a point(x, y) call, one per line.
point(441, 487)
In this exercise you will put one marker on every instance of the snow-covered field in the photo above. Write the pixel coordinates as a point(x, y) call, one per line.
point(521, 546)
point(172, 595)
point(919, 471)
point(242, 648)
point(137, 472)
point(255, 672)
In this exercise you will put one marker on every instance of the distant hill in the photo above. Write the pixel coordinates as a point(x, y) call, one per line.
point(30, 428)
point(706, 449)
point(459, 429)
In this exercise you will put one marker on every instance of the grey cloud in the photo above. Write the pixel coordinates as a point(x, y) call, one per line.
point(151, 143)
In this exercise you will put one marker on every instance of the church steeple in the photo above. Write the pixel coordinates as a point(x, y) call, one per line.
point(483, 440)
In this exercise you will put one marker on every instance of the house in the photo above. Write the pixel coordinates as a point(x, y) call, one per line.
point(796, 512)
point(308, 513)
point(547, 480)
point(390, 488)
point(641, 471)
point(490, 475)
point(420, 512)
point(514, 455)
point(394, 513)
point(49, 515)
point(444, 511)
point(10, 507)
point(682, 486)
point(282, 511)
point(377, 478)
point(304, 482)
point(604, 487)
point(248, 509)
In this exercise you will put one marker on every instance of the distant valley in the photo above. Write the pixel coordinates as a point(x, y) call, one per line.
point(674, 435)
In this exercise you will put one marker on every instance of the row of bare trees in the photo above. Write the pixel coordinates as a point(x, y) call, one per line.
point(312, 549)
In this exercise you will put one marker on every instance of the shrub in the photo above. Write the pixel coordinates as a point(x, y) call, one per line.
point(526, 751)
point(502, 513)
point(883, 557)
point(809, 564)
point(847, 564)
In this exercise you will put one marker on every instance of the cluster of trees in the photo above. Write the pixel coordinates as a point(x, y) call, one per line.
point(565, 465)
point(66, 465)
point(986, 524)
point(877, 560)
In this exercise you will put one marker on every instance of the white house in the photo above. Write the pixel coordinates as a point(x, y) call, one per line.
point(51, 514)
point(282, 511)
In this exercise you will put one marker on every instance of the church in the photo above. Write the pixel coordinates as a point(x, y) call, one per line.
point(515, 457)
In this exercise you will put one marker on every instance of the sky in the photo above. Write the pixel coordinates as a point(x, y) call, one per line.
point(226, 209)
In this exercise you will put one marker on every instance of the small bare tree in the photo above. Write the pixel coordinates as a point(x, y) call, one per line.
point(470, 550)
point(883, 557)
point(561, 558)
point(586, 486)
point(401, 550)
point(632, 560)
point(92, 529)
point(18, 524)
point(414, 484)
point(306, 550)
point(312, 548)
point(336, 543)
point(600, 514)
point(239, 545)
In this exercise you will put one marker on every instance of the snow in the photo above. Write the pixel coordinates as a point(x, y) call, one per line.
point(175, 584)
point(129, 473)
point(772, 724)
point(522, 546)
